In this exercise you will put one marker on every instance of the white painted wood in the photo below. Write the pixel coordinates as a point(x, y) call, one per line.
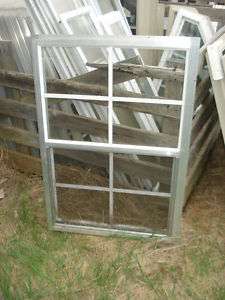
point(150, 16)
point(215, 52)
point(206, 29)
point(7, 4)
point(219, 93)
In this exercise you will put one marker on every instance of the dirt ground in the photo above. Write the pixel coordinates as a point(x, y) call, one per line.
point(207, 202)
point(38, 264)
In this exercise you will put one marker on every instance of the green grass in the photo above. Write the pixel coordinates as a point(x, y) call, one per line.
point(39, 264)
point(219, 293)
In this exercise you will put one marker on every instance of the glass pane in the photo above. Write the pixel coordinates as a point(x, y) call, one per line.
point(76, 206)
point(150, 213)
point(78, 120)
point(146, 124)
point(82, 167)
point(142, 172)
point(79, 66)
point(190, 29)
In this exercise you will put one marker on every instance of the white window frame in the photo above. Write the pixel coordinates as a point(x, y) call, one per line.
point(216, 63)
point(145, 121)
point(206, 28)
point(102, 24)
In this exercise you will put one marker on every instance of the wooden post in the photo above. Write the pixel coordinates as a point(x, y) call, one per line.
point(4, 46)
point(150, 16)
point(7, 62)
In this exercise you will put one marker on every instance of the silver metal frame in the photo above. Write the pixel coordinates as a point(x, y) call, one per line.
point(180, 154)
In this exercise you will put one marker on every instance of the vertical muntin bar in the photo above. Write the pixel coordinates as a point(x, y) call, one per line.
point(110, 132)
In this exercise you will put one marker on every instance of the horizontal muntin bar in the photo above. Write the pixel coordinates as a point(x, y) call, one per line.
point(142, 192)
point(143, 42)
point(114, 148)
point(76, 97)
point(114, 99)
point(115, 190)
point(75, 13)
point(104, 231)
point(82, 222)
point(148, 101)
point(82, 187)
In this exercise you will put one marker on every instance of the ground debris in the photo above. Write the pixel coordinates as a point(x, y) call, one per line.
point(2, 194)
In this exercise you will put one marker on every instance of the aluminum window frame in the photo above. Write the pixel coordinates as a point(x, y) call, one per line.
point(180, 154)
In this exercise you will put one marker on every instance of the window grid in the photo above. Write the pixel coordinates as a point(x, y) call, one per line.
point(180, 153)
